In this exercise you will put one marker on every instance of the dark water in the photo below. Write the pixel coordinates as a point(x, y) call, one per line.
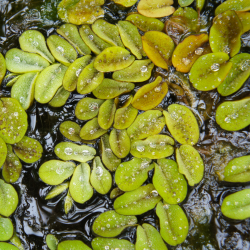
point(35, 217)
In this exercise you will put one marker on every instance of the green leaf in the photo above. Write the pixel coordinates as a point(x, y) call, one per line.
point(95, 43)
point(68, 203)
point(72, 245)
point(125, 3)
point(182, 124)
point(243, 5)
point(92, 130)
point(2, 68)
point(200, 4)
point(48, 82)
point(115, 193)
point(102, 244)
point(8, 199)
point(79, 187)
point(233, 115)
point(111, 224)
point(110, 89)
point(138, 201)
point(24, 89)
point(184, 3)
point(18, 61)
point(71, 130)
point(33, 41)
point(236, 206)
point(132, 174)
point(245, 21)
point(13, 120)
point(154, 147)
point(238, 170)
point(169, 183)
point(100, 178)
point(3, 152)
point(54, 172)
point(147, 237)
point(61, 50)
point(70, 33)
point(57, 190)
point(73, 72)
point(7, 246)
point(173, 223)
point(131, 38)
point(70, 151)
point(87, 108)
point(12, 80)
point(190, 164)
point(138, 71)
point(60, 98)
point(16, 241)
point(28, 149)
point(12, 166)
point(148, 123)
point(108, 157)
point(6, 229)
point(144, 23)
point(51, 241)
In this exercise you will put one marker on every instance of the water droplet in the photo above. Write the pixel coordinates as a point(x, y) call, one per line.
point(144, 69)
point(91, 37)
point(99, 171)
point(60, 49)
point(215, 67)
point(93, 106)
point(71, 131)
point(227, 119)
point(78, 72)
point(245, 65)
point(186, 61)
point(157, 89)
point(140, 148)
point(154, 193)
point(199, 51)
point(68, 151)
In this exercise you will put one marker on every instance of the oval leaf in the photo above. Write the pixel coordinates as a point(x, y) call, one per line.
point(2, 68)
point(71, 130)
point(57, 190)
point(3, 152)
point(60, 98)
point(51, 241)
point(102, 244)
point(243, 5)
point(6, 229)
point(7, 246)
point(72, 245)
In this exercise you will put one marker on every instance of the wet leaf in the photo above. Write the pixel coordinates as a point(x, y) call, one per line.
point(79, 187)
point(72, 245)
point(80, 11)
point(87, 108)
point(51, 242)
point(159, 48)
point(3, 152)
point(150, 95)
point(125, 3)
point(55, 172)
point(119, 142)
point(147, 237)
point(63, 51)
point(138, 71)
point(48, 82)
point(148, 123)
point(89, 79)
point(145, 23)
point(236, 206)
point(108, 157)
point(115, 193)
point(238, 170)
point(7, 246)
point(100, 178)
point(125, 115)
point(28, 149)
point(13, 120)
point(8, 199)
point(6, 229)
point(131, 38)
point(132, 174)
point(24, 89)
point(70, 151)
point(190, 164)
point(92, 130)
point(234, 115)
point(12, 80)
point(33, 41)
point(225, 33)
point(68, 203)
point(70, 33)
point(95, 43)
point(245, 21)
point(111, 224)
point(243, 5)
point(154, 147)
point(138, 201)
point(102, 244)
point(156, 8)
point(189, 50)
point(237, 75)
point(60, 98)
point(200, 4)
point(169, 183)
point(182, 124)
point(109, 89)
point(16, 241)
point(2, 68)
point(73, 72)
point(108, 32)
point(173, 223)
point(18, 61)
point(71, 130)
point(184, 3)
point(209, 71)
point(57, 190)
